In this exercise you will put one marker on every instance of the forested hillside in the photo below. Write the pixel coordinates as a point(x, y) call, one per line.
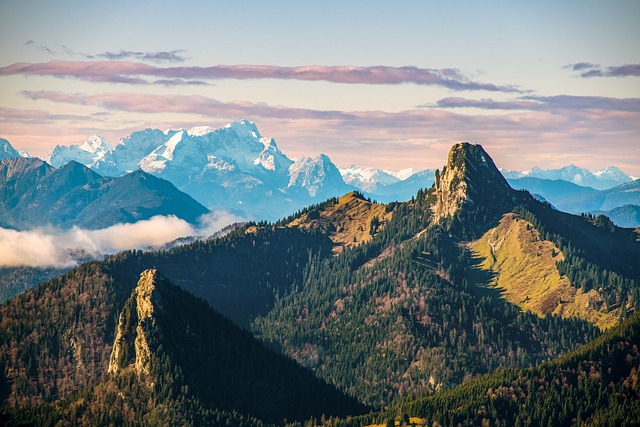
point(401, 316)
point(598, 384)
point(171, 361)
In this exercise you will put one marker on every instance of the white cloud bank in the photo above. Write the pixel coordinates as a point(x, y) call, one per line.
point(52, 247)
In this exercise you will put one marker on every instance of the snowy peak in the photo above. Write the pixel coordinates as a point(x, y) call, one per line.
point(403, 173)
point(7, 151)
point(96, 144)
point(315, 175)
point(612, 173)
point(244, 129)
point(237, 146)
point(197, 131)
point(370, 180)
point(600, 180)
point(88, 153)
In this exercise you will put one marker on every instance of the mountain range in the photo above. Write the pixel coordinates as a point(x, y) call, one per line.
point(383, 303)
point(600, 180)
point(236, 169)
point(232, 168)
point(620, 203)
point(33, 194)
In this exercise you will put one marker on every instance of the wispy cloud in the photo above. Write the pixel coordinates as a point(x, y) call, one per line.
point(52, 247)
point(186, 104)
point(13, 115)
point(586, 70)
point(544, 103)
point(140, 74)
point(171, 56)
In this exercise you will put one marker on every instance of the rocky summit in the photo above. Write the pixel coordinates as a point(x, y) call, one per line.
point(471, 184)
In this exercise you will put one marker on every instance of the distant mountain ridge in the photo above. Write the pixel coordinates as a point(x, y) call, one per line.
point(33, 193)
point(235, 168)
point(602, 179)
point(232, 168)
point(572, 198)
point(7, 151)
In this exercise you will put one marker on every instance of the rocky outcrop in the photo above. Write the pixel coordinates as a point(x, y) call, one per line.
point(470, 187)
point(137, 320)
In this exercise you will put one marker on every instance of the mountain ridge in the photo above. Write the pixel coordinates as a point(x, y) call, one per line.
point(32, 193)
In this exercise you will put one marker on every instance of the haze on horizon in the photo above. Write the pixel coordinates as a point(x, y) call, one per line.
point(378, 84)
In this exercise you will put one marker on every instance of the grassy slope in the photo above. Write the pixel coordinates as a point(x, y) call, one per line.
point(523, 267)
point(348, 222)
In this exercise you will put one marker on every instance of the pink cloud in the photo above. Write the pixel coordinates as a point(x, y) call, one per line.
point(545, 103)
point(138, 73)
point(587, 70)
point(418, 138)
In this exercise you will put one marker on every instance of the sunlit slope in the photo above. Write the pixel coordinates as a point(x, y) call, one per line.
point(523, 268)
point(351, 221)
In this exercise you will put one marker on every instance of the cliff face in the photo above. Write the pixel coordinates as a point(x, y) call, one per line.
point(137, 320)
point(471, 183)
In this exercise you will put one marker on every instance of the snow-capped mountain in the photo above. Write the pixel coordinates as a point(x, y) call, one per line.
point(370, 180)
point(88, 153)
point(235, 168)
point(237, 146)
point(613, 174)
point(403, 173)
point(319, 177)
point(232, 168)
point(126, 156)
point(385, 185)
point(7, 151)
point(600, 180)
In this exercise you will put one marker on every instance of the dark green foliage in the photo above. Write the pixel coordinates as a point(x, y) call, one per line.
point(56, 338)
point(373, 226)
point(202, 369)
point(14, 280)
point(385, 321)
point(596, 385)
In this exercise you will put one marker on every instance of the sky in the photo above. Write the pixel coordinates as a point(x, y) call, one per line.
point(380, 84)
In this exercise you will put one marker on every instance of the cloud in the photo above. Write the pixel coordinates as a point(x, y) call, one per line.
point(171, 56)
point(587, 70)
point(187, 104)
point(13, 115)
point(51, 247)
point(544, 103)
point(140, 74)
point(419, 138)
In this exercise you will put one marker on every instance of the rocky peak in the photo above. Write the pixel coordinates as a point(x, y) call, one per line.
point(315, 175)
point(13, 167)
point(470, 180)
point(7, 150)
point(137, 321)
